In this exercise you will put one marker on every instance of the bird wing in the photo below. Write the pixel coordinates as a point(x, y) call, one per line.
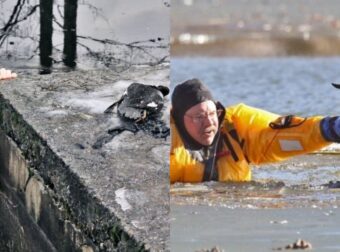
point(111, 107)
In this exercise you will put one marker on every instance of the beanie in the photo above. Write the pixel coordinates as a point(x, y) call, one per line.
point(185, 96)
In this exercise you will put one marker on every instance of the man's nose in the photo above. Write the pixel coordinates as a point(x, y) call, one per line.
point(208, 120)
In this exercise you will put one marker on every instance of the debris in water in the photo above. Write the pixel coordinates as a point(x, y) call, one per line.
point(279, 222)
point(332, 184)
point(299, 244)
point(213, 249)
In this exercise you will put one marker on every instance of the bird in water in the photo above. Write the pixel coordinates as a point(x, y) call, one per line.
point(139, 108)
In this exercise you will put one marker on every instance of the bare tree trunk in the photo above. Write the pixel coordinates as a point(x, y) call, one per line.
point(46, 30)
point(70, 33)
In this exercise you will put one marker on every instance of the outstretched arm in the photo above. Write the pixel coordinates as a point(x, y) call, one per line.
point(269, 137)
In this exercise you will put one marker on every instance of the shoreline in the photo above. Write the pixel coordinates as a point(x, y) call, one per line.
point(259, 47)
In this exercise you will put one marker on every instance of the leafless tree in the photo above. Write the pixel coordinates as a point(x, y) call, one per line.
point(114, 54)
point(17, 16)
point(70, 33)
point(46, 30)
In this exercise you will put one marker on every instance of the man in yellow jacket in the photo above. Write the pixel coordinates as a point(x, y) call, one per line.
point(210, 142)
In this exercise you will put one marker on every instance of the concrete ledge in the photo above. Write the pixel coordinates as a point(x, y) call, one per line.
point(112, 199)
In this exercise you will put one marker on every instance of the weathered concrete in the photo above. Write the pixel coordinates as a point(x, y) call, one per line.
point(111, 199)
point(31, 208)
point(17, 231)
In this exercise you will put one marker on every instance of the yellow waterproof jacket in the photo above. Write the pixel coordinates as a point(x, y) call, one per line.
point(251, 136)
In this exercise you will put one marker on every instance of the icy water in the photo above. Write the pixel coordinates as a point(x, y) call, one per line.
point(282, 85)
point(287, 200)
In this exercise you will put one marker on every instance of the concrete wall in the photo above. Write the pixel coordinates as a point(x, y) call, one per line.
point(31, 217)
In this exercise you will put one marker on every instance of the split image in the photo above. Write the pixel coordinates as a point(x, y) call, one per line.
point(157, 126)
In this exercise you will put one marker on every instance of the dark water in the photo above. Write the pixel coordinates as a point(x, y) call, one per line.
point(288, 200)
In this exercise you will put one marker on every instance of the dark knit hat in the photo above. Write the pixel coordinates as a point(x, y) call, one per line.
point(189, 94)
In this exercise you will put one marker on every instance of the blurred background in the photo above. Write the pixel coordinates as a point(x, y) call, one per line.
point(277, 55)
point(255, 27)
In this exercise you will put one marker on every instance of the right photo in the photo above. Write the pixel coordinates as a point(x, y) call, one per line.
point(255, 125)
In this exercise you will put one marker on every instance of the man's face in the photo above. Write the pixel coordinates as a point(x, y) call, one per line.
point(201, 122)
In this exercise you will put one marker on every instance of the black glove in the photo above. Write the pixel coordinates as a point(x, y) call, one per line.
point(330, 128)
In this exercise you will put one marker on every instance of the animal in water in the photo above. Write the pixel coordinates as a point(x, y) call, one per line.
point(140, 109)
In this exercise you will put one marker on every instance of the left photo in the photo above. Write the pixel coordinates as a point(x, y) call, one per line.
point(84, 125)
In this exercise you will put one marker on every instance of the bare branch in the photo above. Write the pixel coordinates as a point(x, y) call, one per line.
point(14, 19)
point(59, 11)
point(8, 27)
point(95, 10)
point(131, 45)
point(57, 22)
point(16, 11)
